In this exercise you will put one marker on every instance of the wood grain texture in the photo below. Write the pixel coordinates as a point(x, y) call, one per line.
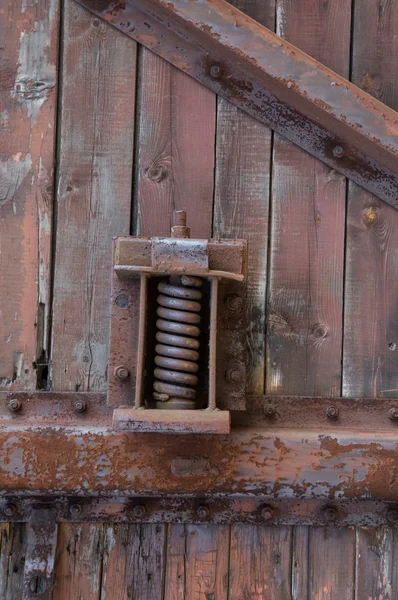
point(12, 556)
point(371, 326)
point(241, 204)
point(28, 84)
point(376, 556)
point(78, 562)
point(260, 563)
point(197, 562)
point(300, 563)
point(175, 159)
point(307, 229)
point(332, 564)
point(94, 192)
point(134, 562)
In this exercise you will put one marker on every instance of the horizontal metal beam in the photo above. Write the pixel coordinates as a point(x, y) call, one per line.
point(82, 454)
point(271, 80)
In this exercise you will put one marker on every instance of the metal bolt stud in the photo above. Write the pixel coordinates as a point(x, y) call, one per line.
point(330, 513)
point(121, 372)
point(203, 512)
point(267, 513)
point(234, 303)
point(392, 516)
point(75, 510)
point(10, 510)
point(139, 511)
point(234, 375)
point(80, 406)
point(269, 410)
point(338, 151)
point(216, 71)
point(393, 414)
point(332, 412)
point(14, 405)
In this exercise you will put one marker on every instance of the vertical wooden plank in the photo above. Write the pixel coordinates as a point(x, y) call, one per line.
point(175, 582)
point(332, 563)
point(12, 554)
point(304, 339)
point(370, 316)
point(260, 562)
point(175, 160)
point(241, 203)
point(134, 562)
point(94, 192)
point(28, 83)
point(78, 562)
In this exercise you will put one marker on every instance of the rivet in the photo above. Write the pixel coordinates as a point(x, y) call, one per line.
point(330, 513)
point(234, 303)
point(269, 410)
point(10, 510)
point(393, 414)
point(267, 513)
point(121, 372)
point(203, 512)
point(392, 515)
point(332, 412)
point(14, 405)
point(139, 511)
point(234, 375)
point(80, 406)
point(75, 510)
point(338, 151)
point(122, 301)
point(216, 71)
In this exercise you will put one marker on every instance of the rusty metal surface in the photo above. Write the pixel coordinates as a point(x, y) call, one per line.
point(271, 80)
point(172, 254)
point(40, 554)
point(172, 421)
point(174, 509)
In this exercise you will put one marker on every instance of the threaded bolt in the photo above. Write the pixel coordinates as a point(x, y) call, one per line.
point(203, 512)
point(216, 71)
point(332, 412)
point(330, 513)
point(80, 406)
point(10, 509)
point(14, 405)
point(269, 410)
point(121, 372)
point(139, 511)
point(393, 414)
point(338, 151)
point(267, 513)
point(75, 510)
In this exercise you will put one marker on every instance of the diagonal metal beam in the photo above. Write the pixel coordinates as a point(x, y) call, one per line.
point(271, 80)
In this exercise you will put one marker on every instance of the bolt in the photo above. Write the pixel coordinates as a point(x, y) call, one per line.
point(139, 511)
point(393, 414)
point(338, 151)
point(80, 406)
point(332, 412)
point(14, 405)
point(267, 513)
point(10, 510)
point(330, 513)
point(234, 303)
point(269, 410)
point(203, 511)
point(234, 375)
point(216, 71)
point(392, 516)
point(75, 510)
point(121, 373)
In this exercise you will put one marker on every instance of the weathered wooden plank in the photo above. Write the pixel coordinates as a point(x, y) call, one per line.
point(12, 556)
point(175, 159)
point(376, 553)
point(78, 561)
point(134, 562)
point(332, 564)
point(28, 84)
point(300, 563)
point(260, 562)
point(241, 204)
point(94, 192)
point(307, 229)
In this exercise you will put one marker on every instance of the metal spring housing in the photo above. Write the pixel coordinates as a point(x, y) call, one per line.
point(177, 348)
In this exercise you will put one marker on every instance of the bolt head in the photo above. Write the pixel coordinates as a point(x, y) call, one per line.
point(393, 414)
point(338, 151)
point(332, 412)
point(234, 375)
point(267, 513)
point(14, 405)
point(392, 516)
point(122, 373)
point(203, 511)
point(216, 71)
point(330, 513)
point(10, 510)
point(269, 410)
point(234, 303)
point(75, 510)
point(139, 511)
point(80, 406)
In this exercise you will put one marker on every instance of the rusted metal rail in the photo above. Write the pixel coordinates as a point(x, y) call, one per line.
point(271, 80)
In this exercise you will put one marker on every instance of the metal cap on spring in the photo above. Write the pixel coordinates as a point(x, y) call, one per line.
point(180, 229)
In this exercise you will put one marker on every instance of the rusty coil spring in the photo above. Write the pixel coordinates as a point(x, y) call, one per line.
point(177, 349)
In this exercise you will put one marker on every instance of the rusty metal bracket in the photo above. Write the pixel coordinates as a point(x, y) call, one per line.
point(270, 79)
point(40, 554)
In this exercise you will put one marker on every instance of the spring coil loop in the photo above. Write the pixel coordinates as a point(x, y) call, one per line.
point(177, 348)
